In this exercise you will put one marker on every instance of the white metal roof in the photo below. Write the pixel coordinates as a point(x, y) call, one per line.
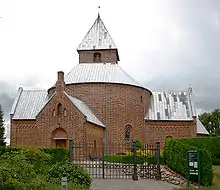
point(85, 110)
point(99, 73)
point(200, 129)
point(171, 106)
point(28, 103)
point(97, 37)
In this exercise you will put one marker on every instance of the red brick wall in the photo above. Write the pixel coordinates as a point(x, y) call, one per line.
point(160, 130)
point(124, 107)
point(107, 56)
point(23, 133)
point(40, 132)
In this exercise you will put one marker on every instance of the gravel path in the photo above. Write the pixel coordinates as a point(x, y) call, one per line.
point(128, 184)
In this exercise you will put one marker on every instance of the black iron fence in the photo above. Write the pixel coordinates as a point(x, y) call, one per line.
point(117, 161)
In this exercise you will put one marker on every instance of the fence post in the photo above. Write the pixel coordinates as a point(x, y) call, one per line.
point(71, 150)
point(135, 176)
point(158, 177)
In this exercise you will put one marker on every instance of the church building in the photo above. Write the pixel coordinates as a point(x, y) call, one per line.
point(98, 101)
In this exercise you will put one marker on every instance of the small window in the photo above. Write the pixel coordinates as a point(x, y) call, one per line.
point(127, 132)
point(54, 112)
point(59, 109)
point(159, 96)
point(64, 112)
point(97, 57)
point(141, 98)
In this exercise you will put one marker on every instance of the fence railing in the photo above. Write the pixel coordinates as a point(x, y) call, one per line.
point(118, 161)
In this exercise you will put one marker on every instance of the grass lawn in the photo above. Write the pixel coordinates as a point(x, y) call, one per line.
point(216, 180)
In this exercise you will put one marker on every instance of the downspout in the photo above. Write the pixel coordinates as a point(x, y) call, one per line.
point(106, 118)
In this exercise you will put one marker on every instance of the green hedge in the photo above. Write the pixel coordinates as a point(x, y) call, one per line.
point(33, 168)
point(175, 157)
point(211, 144)
point(57, 154)
point(128, 159)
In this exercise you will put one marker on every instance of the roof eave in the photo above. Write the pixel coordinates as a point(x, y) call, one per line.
point(100, 125)
point(170, 120)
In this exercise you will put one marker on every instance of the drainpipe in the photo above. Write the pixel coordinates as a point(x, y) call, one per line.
point(106, 118)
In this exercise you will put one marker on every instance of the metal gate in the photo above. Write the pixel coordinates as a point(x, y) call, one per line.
point(118, 161)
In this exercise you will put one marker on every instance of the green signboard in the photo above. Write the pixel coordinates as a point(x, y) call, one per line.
point(193, 161)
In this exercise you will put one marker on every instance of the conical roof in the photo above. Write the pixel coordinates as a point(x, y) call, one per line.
point(97, 37)
point(100, 73)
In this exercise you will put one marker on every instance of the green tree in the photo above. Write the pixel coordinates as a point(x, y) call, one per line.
point(211, 121)
point(2, 128)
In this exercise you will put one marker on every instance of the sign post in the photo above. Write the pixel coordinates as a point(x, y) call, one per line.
point(193, 162)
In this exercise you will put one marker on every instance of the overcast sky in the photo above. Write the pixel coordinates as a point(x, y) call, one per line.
point(164, 44)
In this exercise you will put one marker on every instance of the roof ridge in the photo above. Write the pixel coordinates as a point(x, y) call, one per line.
point(46, 102)
point(87, 107)
point(14, 106)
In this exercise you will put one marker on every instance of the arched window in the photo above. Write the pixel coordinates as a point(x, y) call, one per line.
point(54, 112)
point(59, 109)
point(128, 132)
point(97, 57)
point(64, 112)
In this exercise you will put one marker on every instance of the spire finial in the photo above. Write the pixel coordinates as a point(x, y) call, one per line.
point(98, 11)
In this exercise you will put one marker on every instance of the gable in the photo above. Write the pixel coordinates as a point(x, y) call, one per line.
point(85, 110)
point(28, 104)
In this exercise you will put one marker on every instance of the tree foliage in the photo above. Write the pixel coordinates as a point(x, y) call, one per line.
point(2, 128)
point(211, 121)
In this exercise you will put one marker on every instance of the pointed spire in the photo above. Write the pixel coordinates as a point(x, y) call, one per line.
point(97, 37)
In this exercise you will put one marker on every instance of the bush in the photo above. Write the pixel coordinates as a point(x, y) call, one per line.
point(175, 157)
point(57, 154)
point(216, 161)
point(126, 159)
point(75, 174)
point(27, 169)
point(17, 173)
point(210, 144)
point(129, 159)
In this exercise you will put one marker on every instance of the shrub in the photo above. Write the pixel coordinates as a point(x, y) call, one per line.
point(75, 174)
point(32, 168)
point(175, 156)
point(126, 159)
point(129, 159)
point(211, 144)
point(57, 154)
point(216, 161)
point(17, 173)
